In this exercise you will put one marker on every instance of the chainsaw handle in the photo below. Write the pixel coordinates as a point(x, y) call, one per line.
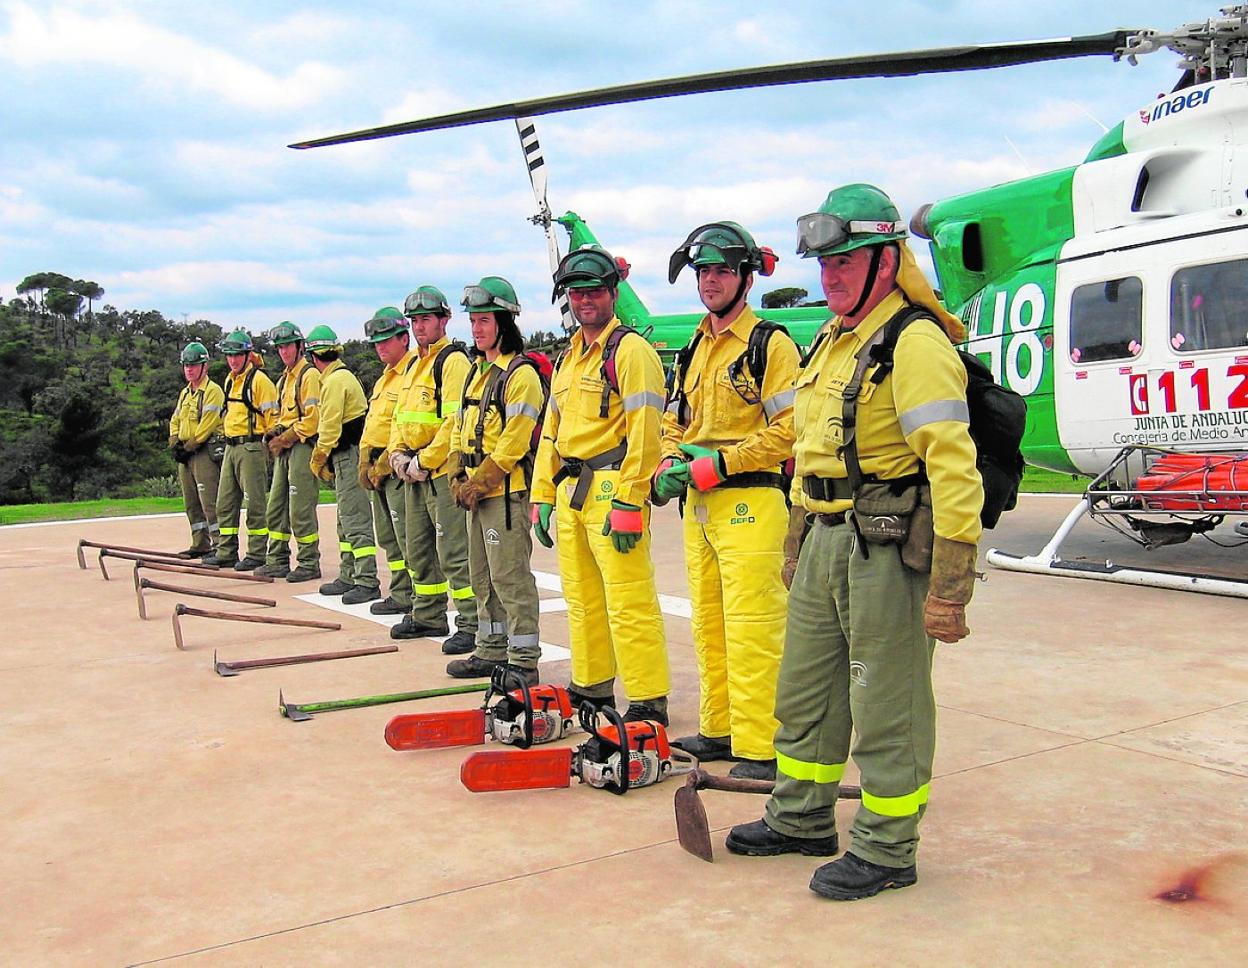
point(589, 723)
point(498, 684)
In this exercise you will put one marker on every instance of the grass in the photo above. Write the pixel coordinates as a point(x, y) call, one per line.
point(104, 508)
point(1039, 481)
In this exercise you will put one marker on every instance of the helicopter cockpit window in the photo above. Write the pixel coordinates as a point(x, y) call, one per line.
point(1209, 307)
point(1106, 320)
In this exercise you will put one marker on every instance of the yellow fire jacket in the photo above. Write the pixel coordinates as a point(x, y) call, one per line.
point(751, 426)
point(522, 400)
point(240, 420)
point(197, 414)
point(418, 417)
point(342, 399)
point(299, 397)
point(381, 406)
point(574, 429)
point(918, 413)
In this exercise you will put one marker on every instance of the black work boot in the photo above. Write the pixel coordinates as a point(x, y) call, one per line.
point(756, 839)
point(578, 699)
point(275, 570)
point(528, 676)
point(654, 710)
point(336, 587)
point(706, 748)
point(194, 552)
point(388, 606)
point(409, 628)
point(359, 594)
point(473, 667)
point(248, 564)
point(850, 878)
point(461, 643)
point(303, 573)
point(216, 560)
point(754, 770)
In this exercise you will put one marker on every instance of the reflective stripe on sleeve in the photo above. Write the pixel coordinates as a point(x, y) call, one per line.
point(268, 406)
point(312, 402)
point(635, 401)
point(416, 416)
point(933, 412)
point(212, 408)
point(779, 403)
point(814, 772)
point(522, 409)
point(906, 805)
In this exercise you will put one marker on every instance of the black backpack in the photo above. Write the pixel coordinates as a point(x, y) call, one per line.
point(998, 416)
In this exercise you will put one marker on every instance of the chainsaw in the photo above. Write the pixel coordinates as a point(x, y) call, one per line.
point(618, 757)
point(522, 717)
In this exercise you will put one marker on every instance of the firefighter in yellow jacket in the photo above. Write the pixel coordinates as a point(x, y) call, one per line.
point(886, 469)
point(391, 336)
point(294, 492)
point(600, 446)
point(335, 460)
point(436, 541)
point(727, 434)
point(490, 440)
point(196, 420)
point(250, 410)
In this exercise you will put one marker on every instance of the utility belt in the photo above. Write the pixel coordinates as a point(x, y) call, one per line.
point(831, 520)
point(756, 479)
point(583, 471)
point(216, 448)
point(374, 453)
point(244, 439)
point(352, 431)
point(827, 488)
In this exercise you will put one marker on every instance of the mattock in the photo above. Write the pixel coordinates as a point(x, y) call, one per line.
point(234, 668)
point(84, 543)
point(160, 586)
point(201, 572)
point(172, 560)
point(181, 609)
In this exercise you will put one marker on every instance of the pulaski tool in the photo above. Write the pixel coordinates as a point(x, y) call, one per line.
point(525, 716)
point(618, 757)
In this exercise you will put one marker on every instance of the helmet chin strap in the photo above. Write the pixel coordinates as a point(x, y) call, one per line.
point(873, 272)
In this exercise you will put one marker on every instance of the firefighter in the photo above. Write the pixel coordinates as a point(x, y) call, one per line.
point(889, 561)
point(489, 446)
point(335, 460)
point(600, 442)
point(436, 542)
point(390, 334)
point(294, 492)
point(727, 433)
point(250, 410)
point(195, 424)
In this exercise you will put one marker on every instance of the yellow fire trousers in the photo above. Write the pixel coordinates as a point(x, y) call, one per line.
point(613, 606)
point(734, 551)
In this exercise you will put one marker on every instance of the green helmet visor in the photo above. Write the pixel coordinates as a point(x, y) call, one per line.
point(478, 299)
point(424, 301)
point(585, 268)
point(822, 234)
point(381, 328)
point(284, 333)
point(712, 244)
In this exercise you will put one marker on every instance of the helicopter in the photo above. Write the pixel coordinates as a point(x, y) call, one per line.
point(1109, 294)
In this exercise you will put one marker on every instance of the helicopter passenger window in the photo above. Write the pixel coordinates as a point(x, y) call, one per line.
point(1105, 320)
point(1209, 307)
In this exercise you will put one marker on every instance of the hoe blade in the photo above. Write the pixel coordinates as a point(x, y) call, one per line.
point(693, 831)
point(516, 770)
point(435, 731)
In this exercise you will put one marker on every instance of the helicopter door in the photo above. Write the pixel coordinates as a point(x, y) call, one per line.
point(1152, 346)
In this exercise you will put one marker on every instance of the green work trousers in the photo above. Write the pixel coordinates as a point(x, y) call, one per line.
point(856, 660)
point(200, 479)
point(357, 564)
point(244, 480)
point(389, 522)
point(506, 593)
point(436, 551)
point(293, 497)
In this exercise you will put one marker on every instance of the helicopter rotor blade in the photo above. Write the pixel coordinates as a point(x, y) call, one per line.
point(901, 64)
point(535, 162)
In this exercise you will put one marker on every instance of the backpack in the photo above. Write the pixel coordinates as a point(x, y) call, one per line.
point(998, 417)
point(754, 359)
point(439, 362)
point(610, 377)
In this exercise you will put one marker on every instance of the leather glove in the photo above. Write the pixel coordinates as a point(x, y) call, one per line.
point(173, 441)
point(953, 580)
point(379, 472)
point(318, 464)
point(799, 526)
point(485, 479)
point(192, 445)
point(283, 442)
point(706, 466)
point(541, 524)
point(366, 477)
point(624, 526)
point(272, 432)
point(670, 480)
point(415, 470)
point(398, 463)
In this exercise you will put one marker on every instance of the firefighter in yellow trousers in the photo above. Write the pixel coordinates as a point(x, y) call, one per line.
point(727, 433)
point(196, 420)
point(600, 446)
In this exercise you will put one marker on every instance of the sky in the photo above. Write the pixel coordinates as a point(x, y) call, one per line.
point(143, 143)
